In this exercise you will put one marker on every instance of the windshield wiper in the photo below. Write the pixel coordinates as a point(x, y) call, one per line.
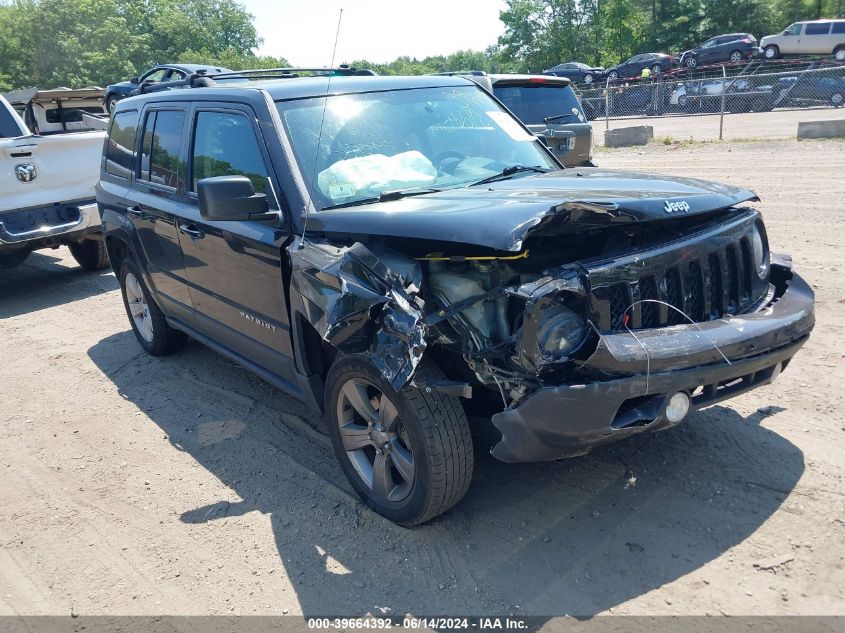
point(384, 196)
point(555, 117)
point(507, 172)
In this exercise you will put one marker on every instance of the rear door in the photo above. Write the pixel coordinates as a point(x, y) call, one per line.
point(234, 268)
point(156, 202)
point(816, 38)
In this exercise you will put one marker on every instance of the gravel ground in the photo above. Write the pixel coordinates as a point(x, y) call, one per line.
point(185, 485)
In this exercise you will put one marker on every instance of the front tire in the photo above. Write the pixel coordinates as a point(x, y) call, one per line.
point(613, 75)
point(691, 61)
point(148, 321)
point(588, 78)
point(837, 99)
point(90, 254)
point(408, 454)
point(771, 52)
point(111, 102)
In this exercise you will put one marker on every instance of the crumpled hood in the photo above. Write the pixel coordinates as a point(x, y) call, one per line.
point(501, 215)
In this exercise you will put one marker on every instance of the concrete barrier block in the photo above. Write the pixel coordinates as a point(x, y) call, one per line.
point(821, 129)
point(627, 136)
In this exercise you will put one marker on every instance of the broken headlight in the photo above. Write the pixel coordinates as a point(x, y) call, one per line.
point(760, 250)
point(562, 331)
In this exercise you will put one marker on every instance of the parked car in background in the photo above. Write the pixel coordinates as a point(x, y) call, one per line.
point(550, 109)
point(809, 90)
point(655, 62)
point(576, 71)
point(628, 100)
point(819, 37)
point(47, 193)
point(731, 47)
point(59, 110)
point(706, 96)
point(162, 73)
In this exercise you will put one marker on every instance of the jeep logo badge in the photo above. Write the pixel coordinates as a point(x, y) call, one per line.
point(672, 207)
point(26, 172)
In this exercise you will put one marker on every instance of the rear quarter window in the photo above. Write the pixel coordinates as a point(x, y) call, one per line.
point(817, 29)
point(533, 103)
point(120, 153)
point(838, 28)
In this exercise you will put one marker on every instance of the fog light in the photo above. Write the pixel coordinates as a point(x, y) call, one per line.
point(678, 407)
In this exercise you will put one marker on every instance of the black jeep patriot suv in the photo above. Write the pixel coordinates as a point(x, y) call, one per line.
point(403, 254)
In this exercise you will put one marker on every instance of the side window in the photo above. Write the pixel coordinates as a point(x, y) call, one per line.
point(838, 28)
point(176, 75)
point(155, 75)
point(160, 149)
point(814, 28)
point(794, 29)
point(121, 143)
point(225, 145)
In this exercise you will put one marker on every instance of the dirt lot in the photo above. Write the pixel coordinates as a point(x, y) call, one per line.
point(184, 485)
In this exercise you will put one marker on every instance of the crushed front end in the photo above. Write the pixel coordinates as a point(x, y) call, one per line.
point(673, 328)
point(628, 341)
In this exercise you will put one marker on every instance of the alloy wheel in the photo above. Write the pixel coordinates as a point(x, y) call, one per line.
point(736, 56)
point(375, 439)
point(138, 308)
point(837, 99)
point(839, 55)
point(588, 79)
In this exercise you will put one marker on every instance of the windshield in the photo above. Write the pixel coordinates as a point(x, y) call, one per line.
point(538, 103)
point(427, 138)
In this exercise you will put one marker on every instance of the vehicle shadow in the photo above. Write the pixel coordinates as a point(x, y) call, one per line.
point(572, 537)
point(42, 281)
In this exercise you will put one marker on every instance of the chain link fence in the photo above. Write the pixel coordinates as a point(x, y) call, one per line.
point(721, 106)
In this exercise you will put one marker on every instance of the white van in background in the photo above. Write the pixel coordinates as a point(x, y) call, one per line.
point(819, 37)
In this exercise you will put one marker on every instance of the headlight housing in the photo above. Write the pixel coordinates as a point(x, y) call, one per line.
point(760, 250)
point(562, 331)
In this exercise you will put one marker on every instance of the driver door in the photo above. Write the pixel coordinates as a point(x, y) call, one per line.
point(234, 268)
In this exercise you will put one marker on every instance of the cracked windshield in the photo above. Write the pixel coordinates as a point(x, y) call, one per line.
point(405, 142)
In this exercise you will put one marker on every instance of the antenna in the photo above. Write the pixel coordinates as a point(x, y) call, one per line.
point(310, 201)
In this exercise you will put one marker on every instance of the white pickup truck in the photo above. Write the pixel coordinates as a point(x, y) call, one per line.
point(47, 192)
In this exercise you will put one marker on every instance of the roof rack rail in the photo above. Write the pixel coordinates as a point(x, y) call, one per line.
point(453, 73)
point(204, 79)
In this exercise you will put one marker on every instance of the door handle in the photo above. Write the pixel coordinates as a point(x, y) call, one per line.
point(135, 212)
point(193, 233)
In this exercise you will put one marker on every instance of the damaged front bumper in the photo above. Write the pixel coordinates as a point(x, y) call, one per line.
point(631, 379)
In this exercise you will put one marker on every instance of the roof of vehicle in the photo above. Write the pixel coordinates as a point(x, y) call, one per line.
point(528, 79)
point(300, 87)
point(26, 95)
point(192, 68)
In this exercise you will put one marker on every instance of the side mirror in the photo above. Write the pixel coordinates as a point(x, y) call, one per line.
point(786, 32)
point(231, 198)
point(135, 80)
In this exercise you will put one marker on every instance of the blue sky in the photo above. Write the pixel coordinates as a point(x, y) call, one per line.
point(376, 30)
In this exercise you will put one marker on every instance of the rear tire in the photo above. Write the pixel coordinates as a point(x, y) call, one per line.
point(15, 258)
point(736, 56)
point(90, 254)
point(147, 320)
point(837, 99)
point(419, 442)
point(656, 69)
point(839, 54)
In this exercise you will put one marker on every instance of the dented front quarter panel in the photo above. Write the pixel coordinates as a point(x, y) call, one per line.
point(358, 305)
